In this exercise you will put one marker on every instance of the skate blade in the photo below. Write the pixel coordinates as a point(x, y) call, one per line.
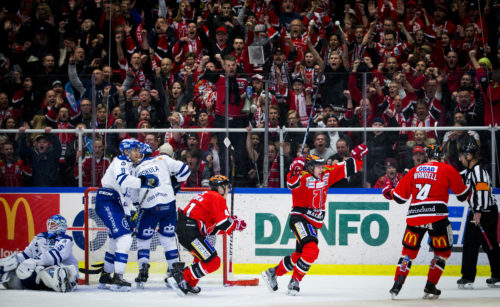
point(430, 296)
point(495, 285)
point(292, 292)
point(139, 285)
point(393, 296)
point(103, 286)
point(116, 288)
point(267, 282)
point(175, 287)
point(466, 286)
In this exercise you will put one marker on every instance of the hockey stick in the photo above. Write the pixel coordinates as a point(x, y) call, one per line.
point(99, 267)
point(310, 118)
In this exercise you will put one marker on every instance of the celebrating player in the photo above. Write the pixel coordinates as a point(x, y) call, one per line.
point(428, 185)
point(206, 214)
point(113, 204)
point(157, 208)
point(309, 191)
point(47, 263)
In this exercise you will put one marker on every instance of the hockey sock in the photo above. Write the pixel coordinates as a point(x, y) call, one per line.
point(109, 262)
point(404, 265)
point(120, 262)
point(199, 269)
point(310, 253)
point(287, 264)
point(436, 269)
point(142, 256)
point(170, 246)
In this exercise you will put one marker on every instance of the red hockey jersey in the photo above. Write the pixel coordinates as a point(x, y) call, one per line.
point(309, 193)
point(427, 185)
point(209, 209)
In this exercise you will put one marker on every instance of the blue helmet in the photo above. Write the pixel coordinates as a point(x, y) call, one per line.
point(56, 225)
point(129, 144)
point(145, 149)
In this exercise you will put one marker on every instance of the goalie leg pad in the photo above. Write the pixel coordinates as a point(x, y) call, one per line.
point(57, 278)
point(27, 272)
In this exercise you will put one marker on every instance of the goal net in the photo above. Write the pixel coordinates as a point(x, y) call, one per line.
point(96, 244)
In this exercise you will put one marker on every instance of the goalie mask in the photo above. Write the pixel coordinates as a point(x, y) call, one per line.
point(312, 161)
point(56, 225)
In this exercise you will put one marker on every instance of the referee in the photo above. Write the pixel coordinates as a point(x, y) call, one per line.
point(482, 201)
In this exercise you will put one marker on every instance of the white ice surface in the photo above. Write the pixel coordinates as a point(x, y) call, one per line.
point(314, 291)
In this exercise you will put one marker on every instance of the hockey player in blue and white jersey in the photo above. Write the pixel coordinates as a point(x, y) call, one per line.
point(157, 209)
point(113, 205)
point(47, 263)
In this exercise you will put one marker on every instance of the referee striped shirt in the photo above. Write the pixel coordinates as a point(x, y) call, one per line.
point(478, 180)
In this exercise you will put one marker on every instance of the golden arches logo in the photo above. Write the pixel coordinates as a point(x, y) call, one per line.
point(439, 242)
point(409, 238)
point(11, 217)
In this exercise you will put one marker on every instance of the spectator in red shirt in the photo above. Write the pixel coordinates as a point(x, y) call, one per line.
point(11, 168)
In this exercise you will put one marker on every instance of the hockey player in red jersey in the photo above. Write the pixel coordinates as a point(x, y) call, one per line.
point(309, 191)
point(206, 215)
point(427, 185)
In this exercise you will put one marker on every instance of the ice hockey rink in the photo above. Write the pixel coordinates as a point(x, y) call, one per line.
point(316, 290)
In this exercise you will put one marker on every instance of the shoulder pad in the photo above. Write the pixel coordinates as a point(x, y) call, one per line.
point(65, 236)
point(43, 235)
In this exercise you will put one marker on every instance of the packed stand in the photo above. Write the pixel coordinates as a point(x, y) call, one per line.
point(168, 64)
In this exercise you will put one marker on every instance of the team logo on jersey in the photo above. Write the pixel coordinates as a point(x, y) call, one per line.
point(125, 224)
point(201, 249)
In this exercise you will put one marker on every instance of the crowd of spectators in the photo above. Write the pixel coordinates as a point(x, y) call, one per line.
point(115, 64)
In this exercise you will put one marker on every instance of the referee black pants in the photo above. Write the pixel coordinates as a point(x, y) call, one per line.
point(473, 239)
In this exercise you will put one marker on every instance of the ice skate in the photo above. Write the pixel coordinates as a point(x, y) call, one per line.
point(463, 283)
point(293, 287)
point(119, 284)
point(105, 280)
point(398, 284)
point(141, 279)
point(431, 292)
point(269, 277)
point(493, 282)
point(177, 282)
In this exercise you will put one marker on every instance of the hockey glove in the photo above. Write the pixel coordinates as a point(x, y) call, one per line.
point(359, 152)
point(175, 184)
point(387, 189)
point(297, 165)
point(240, 225)
point(149, 181)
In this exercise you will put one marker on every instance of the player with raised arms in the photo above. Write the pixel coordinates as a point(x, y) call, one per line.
point(157, 209)
point(206, 214)
point(113, 206)
point(47, 263)
point(427, 185)
point(309, 192)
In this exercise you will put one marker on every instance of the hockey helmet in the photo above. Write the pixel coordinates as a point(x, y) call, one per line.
point(433, 152)
point(56, 225)
point(313, 160)
point(469, 146)
point(129, 144)
point(218, 180)
point(145, 149)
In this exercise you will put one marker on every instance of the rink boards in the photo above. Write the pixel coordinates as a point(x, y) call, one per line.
point(362, 232)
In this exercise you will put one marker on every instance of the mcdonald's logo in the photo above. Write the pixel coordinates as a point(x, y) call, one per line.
point(11, 217)
point(439, 242)
point(410, 238)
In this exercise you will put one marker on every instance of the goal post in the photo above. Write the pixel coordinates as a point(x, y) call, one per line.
point(96, 243)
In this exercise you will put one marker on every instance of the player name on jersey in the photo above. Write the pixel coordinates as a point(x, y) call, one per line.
point(426, 172)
